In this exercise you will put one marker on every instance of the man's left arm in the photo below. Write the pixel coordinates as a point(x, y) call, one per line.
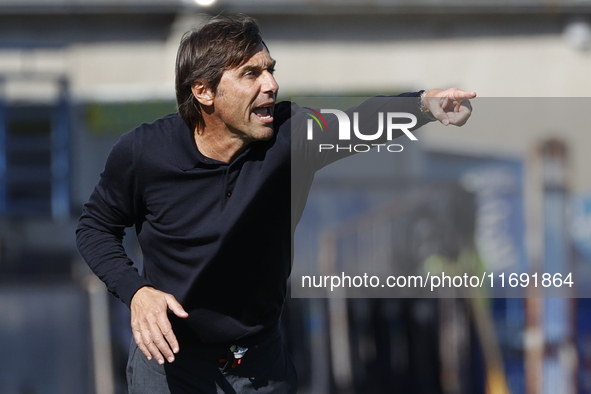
point(315, 148)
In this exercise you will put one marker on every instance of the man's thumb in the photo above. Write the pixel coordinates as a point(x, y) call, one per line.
point(176, 307)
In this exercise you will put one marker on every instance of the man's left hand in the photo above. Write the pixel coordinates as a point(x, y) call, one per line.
point(450, 106)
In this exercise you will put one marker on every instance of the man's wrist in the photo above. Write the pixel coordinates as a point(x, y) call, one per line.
point(424, 110)
point(129, 284)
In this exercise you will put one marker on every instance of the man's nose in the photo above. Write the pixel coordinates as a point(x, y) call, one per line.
point(270, 84)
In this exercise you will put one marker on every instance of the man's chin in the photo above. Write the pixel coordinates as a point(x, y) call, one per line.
point(264, 134)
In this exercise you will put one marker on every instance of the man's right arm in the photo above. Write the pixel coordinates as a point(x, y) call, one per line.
point(114, 205)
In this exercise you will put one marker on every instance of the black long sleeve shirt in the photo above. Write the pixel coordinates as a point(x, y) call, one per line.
point(215, 235)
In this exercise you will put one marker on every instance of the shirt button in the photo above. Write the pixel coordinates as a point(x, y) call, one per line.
point(229, 194)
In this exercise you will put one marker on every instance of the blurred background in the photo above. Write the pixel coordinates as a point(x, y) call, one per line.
point(75, 75)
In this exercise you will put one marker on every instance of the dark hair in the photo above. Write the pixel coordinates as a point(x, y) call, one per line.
point(205, 53)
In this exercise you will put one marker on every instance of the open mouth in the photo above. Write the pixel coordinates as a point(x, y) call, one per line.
point(264, 112)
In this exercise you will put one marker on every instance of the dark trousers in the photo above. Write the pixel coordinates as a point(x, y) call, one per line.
point(263, 369)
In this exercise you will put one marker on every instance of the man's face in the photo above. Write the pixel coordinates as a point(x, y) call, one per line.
point(245, 98)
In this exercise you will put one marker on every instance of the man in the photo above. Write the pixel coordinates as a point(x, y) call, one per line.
point(208, 190)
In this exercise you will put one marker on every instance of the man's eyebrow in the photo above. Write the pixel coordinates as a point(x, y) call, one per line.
point(251, 67)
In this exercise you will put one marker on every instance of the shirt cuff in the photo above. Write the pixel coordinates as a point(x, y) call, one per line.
point(129, 284)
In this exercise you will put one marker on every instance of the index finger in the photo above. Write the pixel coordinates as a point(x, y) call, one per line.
point(167, 331)
point(164, 337)
point(463, 94)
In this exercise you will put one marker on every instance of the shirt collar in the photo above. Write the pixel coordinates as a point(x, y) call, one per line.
point(186, 153)
point(185, 150)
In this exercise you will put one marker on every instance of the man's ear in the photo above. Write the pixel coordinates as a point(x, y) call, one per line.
point(202, 93)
